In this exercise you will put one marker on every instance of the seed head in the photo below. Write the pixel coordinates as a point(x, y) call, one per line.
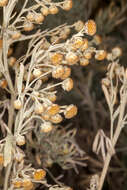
point(52, 97)
point(101, 55)
point(85, 45)
point(117, 52)
point(84, 62)
point(56, 58)
point(67, 84)
point(39, 174)
point(67, 72)
point(3, 3)
point(87, 55)
point(17, 183)
point(17, 104)
point(45, 116)
point(39, 18)
point(53, 109)
point(71, 58)
point(98, 39)
point(44, 11)
point(46, 127)
point(20, 140)
point(78, 42)
point(11, 61)
point(26, 182)
point(58, 71)
point(90, 27)
point(53, 10)
point(56, 118)
point(16, 35)
point(39, 108)
point(30, 16)
point(79, 25)
point(28, 26)
point(37, 73)
point(70, 111)
point(67, 5)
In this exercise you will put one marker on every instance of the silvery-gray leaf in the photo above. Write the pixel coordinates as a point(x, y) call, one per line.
point(20, 79)
point(8, 150)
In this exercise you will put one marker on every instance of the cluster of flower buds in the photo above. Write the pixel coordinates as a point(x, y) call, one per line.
point(56, 63)
point(26, 182)
point(52, 115)
point(45, 9)
point(3, 3)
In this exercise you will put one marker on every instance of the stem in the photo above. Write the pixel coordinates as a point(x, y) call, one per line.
point(8, 170)
point(5, 52)
point(11, 112)
point(114, 141)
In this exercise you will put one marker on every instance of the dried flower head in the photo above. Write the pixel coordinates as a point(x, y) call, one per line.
point(3, 3)
point(28, 26)
point(100, 55)
point(67, 73)
point(58, 71)
point(67, 5)
point(70, 111)
point(26, 182)
point(78, 43)
point(56, 118)
point(46, 127)
point(17, 104)
point(85, 45)
point(39, 108)
point(20, 140)
point(117, 52)
point(45, 116)
point(79, 25)
point(53, 10)
point(87, 54)
point(56, 58)
point(52, 97)
point(37, 73)
point(30, 16)
point(17, 183)
point(90, 27)
point(16, 35)
point(67, 84)
point(45, 10)
point(39, 18)
point(71, 58)
point(53, 109)
point(39, 174)
point(84, 62)
point(11, 61)
point(98, 39)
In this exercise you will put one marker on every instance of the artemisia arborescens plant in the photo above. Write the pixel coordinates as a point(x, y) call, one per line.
point(29, 87)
